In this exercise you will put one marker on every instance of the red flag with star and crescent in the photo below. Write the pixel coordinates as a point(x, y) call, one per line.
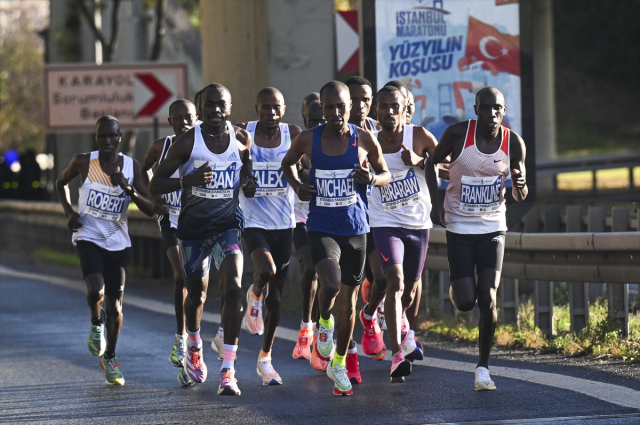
point(499, 52)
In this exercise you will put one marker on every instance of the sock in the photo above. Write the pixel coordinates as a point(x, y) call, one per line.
point(220, 331)
point(194, 338)
point(253, 296)
point(326, 323)
point(109, 354)
point(339, 360)
point(306, 325)
point(412, 334)
point(229, 356)
point(97, 322)
point(366, 316)
point(263, 355)
point(354, 349)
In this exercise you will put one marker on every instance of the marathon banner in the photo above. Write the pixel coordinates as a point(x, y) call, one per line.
point(446, 51)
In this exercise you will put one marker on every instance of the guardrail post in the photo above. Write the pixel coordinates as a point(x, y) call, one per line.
point(531, 220)
point(446, 306)
point(425, 290)
point(543, 296)
point(509, 301)
point(618, 293)
point(596, 224)
point(552, 219)
point(578, 291)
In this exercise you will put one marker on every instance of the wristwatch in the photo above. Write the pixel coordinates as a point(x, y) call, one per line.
point(133, 192)
point(373, 180)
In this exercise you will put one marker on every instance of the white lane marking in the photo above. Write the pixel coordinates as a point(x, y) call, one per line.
point(544, 420)
point(614, 394)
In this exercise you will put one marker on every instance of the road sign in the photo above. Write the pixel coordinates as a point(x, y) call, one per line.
point(76, 96)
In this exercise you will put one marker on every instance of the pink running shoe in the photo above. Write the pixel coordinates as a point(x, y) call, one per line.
point(372, 343)
point(194, 365)
point(400, 367)
point(228, 383)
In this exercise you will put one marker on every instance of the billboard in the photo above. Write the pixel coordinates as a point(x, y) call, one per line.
point(77, 95)
point(447, 50)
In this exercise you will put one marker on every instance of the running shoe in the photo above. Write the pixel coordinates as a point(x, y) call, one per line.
point(353, 368)
point(372, 342)
point(302, 349)
point(97, 342)
point(404, 324)
point(178, 351)
point(216, 345)
point(380, 313)
point(252, 320)
point(316, 362)
point(111, 368)
point(400, 367)
point(324, 344)
point(183, 378)
point(408, 347)
point(267, 372)
point(342, 384)
point(194, 365)
point(418, 352)
point(228, 383)
point(381, 354)
point(483, 381)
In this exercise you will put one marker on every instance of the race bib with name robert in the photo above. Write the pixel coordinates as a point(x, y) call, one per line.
point(106, 203)
point(480, 194)
point(173, 201)
point(224, 177)
point(403, 191)
point(335, 188)
point(270, 179)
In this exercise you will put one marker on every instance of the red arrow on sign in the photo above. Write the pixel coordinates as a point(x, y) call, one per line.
point(161, 95)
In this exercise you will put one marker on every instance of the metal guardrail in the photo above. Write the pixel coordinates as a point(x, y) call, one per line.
point(587, 163)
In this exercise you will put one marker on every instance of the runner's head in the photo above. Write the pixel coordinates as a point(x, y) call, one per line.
point(361, 97)
point(310, 98)
point(215, 105)
point(197, 103)
point(490, 108)
point(108, 135)
point(182, 116)
point(411, 107)
point(390, 106)
point(314, 115)
point(400, 86)
point(336, 104)
point(270, 107)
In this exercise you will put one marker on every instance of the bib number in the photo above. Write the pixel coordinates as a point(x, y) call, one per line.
point(479, 195)
point(335, 188)
point(403, 191)
point(223, 183)
point(270, 179)
point(173, 202)
point(106, 203)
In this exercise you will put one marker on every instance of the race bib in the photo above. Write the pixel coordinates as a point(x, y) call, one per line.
point(222, 185)
point(106, 203)
point(403, 191)
point(173, 201)
point(335, 188)
point(270, 179)
point(480, 194)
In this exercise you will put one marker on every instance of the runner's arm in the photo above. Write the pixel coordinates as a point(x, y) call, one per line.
point(518, 152)
point(178, 154)
point(75, 167)
point(374, 154)
point(247, 179)
point(298, 150)
point(150, 159)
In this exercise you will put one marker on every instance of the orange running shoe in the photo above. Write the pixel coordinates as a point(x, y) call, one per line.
point(302, 350)
point(316, 362)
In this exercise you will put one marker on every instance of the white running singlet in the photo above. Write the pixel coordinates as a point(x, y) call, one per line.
point(103, 207)
point(474, 203)
point(405, 202)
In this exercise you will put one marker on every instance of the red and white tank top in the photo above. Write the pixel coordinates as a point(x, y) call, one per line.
point(474, 203)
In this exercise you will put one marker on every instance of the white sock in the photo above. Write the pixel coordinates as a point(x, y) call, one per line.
point(306, 325)
point(229, 356)
point(194, 338)
point(412, 334)
point(220, 331)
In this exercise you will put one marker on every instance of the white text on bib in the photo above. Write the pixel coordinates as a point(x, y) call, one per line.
point(335, 188)
point(106, 202)
point(480, 194)
point(270, 179)
point(223, 182)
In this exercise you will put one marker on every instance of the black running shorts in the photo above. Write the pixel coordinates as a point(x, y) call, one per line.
point(348, 251)
point(300, 236)
point(110, 264)
point(277, 242)
point(169, 239)
point(468, 253)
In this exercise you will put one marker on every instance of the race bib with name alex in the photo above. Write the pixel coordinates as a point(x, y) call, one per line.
point(270, 179)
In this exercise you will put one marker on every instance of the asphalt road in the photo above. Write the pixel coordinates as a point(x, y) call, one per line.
point(48, 376)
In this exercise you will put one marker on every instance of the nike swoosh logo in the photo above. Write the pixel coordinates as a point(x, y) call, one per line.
point(354, 142)
point(384, 258)
point(497, 160)
point(359, 277)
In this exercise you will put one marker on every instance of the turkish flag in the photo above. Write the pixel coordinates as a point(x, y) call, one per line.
point(498, 52)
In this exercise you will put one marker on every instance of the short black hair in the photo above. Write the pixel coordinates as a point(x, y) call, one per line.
point(216, 86)
point(390, 89)
point(337, 85)
point(107, 118)
point(485, 89)
point(269, 90)
point(185, 102)
point(398, 84)
point(357, 81)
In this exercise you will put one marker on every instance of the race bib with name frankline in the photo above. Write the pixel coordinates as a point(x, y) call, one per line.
point(173, 201)
point(403, 191)
point(270, 179)
point(223, 182)
point(335, 188)
point(480, 195)
point(106, 203)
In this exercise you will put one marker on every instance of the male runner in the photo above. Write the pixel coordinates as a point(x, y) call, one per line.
point(411, 107)
point(337, 217)
point(482, 153)
point(310, 98)
point(399, 219)
point(100, 231)
point(214, 161)
point(309, 280)
point(182, 115)
point(269, 223)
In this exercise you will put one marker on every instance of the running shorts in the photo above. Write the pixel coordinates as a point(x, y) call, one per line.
point(300, 235)
point(196, 255)
point(407, 247)
point(468, 253)
point(169, 239)
point(277, 242)
point(110, 264)
point(348, 251)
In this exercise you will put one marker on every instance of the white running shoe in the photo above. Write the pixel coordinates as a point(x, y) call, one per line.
point(216, 345)
point(483, 380)
point(252, 320)
point(268, 373)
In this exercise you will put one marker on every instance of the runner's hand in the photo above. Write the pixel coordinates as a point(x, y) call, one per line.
point(410, 158)
point(305, 192)
point(249, 187)
point(203, 175)
point(159, 205)
point(517, 179)
point(118, 179)
point(437, 215)
point(362, 174)
point(75, 222)
point(443, 171)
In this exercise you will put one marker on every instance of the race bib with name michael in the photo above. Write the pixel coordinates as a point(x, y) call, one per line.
point(173, 201)
point(335, 188)
point(106, 203)
point(403, 191)
point(270, 179)
point(480, 194)
point(221, 187)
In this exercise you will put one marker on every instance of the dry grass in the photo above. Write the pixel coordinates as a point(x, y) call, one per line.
point(616, 178)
